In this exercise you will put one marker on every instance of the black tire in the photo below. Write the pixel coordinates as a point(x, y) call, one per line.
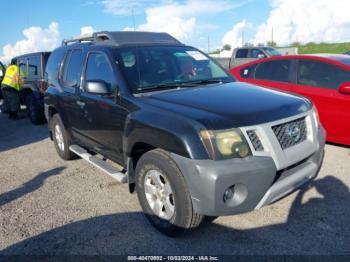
point(63, 152)
point(35, 112)
point(184, 217)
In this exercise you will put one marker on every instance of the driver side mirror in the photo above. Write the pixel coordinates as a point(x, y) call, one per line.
point(97, 87)
point(344, 88)
point(261, 56)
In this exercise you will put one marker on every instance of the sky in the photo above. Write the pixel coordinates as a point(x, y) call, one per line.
point(38, 25)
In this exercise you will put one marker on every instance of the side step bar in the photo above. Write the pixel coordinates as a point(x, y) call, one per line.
point(110, 170)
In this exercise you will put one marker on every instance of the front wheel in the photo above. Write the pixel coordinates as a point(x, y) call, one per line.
point(163, 194)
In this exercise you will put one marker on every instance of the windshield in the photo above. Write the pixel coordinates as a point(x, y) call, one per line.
point(272, 51)
point(158, 67)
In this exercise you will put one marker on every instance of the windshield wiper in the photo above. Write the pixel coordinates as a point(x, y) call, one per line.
point(209, 81)
point(166, 86)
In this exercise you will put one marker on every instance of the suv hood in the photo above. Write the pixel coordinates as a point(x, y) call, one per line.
point(230, 105)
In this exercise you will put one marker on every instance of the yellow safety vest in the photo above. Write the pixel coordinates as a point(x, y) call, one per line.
point(13, 77)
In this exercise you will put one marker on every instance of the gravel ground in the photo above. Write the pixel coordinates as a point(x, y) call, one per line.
point(49, 206)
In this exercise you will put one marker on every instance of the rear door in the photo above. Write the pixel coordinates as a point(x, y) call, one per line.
point(70, 81)
point(320, 81)
point(103, 117)
point(240, 57)
point(273, 74)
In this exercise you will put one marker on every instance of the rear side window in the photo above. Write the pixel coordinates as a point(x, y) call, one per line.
point(98, 69)
point(34, 66)
point(53, 67)
point(242, 53)
point(72, 69)
point(320, 74)
point(247, 72)
point(273, 70)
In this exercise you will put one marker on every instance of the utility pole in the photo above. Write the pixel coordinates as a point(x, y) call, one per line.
point(242, 38)
point(133, 18)
point(208, 44)
point(272, 36)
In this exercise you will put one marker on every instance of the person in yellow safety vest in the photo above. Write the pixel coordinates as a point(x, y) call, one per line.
point(11, 85)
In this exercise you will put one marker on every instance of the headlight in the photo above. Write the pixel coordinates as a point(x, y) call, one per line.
point(225, 144)
point(316, 116)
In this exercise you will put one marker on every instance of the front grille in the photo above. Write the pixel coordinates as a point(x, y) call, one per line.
point(255, 140)
point(291, 133)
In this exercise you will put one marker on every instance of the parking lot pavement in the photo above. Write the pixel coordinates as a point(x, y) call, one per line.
point(49, 206)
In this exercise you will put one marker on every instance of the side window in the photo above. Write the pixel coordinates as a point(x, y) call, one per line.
point(255, 53)
point(242, 53)
point(248, 72)
point(22, 65)
point(273, 70)
point(98, 69)
point(72, 69)
point(34, 67)
point(314, 73)
point(53, 67)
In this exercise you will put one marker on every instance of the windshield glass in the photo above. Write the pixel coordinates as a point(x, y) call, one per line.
point(156, 67)
point(272, 51)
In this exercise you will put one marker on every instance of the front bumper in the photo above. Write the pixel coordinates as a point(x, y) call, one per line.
point(256, 180)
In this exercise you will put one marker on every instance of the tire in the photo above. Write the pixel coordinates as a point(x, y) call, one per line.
point(35, 112)
point(175, 212)
point(61, 138)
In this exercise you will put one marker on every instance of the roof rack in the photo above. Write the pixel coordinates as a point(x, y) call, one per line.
point(124, 38)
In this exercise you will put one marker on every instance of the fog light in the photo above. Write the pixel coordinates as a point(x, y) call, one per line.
point(228, 195)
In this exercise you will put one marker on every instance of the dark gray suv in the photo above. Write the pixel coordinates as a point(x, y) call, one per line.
point(34, 86)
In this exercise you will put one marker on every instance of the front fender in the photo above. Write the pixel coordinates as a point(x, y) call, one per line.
point(167, 131)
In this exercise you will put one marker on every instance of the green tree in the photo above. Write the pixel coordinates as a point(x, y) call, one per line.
point(271, 43)
point(226, 47)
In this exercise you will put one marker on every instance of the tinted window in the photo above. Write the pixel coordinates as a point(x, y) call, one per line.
point(321, 74)
point(99, 69)
point(242, 53)
point(273, 70)
point(34, 67)
point(53, 67)
point(248, 72)
point(254, 53)
point(72, 69)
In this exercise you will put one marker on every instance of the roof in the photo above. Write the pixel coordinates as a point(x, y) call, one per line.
point(29, 54)
point(120, 38)
point(341, 58)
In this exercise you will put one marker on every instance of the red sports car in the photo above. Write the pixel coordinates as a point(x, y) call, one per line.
point(324, 78)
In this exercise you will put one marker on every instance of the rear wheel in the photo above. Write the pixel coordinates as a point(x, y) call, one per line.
point(61, 138)
point(163, 194)
point(34, 111)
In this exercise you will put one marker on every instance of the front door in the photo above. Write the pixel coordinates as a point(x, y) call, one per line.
point(103, 116)
point(320, 81)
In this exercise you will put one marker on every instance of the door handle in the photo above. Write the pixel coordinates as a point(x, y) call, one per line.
point(80, 103)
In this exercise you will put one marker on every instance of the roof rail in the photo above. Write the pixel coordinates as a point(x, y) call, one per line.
point(86, 37)
point(125, 37)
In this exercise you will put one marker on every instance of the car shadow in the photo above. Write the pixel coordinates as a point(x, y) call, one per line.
point(318, 226)
point(21, 132)
point(29, 186)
